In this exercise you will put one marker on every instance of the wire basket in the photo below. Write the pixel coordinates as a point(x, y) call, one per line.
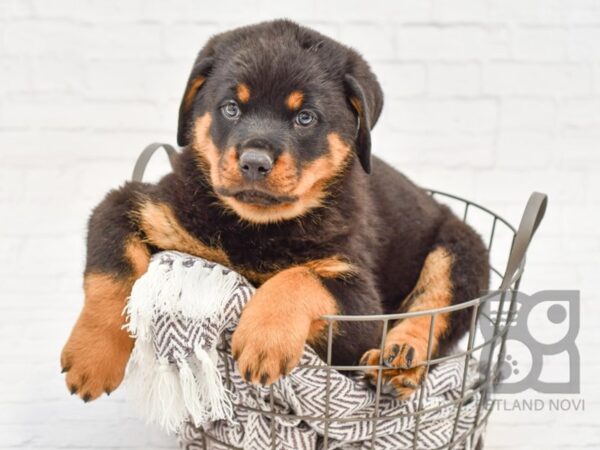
point(491, 316)
point(506, 245)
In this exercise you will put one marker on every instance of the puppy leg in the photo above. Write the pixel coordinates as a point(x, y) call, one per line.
point(455, 271)
point(277, 322)
point(284, 315)
point(98, 349)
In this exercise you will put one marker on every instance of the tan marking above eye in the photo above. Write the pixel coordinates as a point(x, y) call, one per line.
point(243, 92)
point(294, 100)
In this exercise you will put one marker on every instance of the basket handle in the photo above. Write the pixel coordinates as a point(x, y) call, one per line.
point(532, 217)
point(146, 155)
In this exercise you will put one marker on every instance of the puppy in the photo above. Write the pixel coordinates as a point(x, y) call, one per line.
point(273, 181)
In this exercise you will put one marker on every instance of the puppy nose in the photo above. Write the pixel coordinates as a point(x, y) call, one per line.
point(255, 164)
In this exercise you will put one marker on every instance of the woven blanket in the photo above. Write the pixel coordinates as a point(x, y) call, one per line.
point(185, 308)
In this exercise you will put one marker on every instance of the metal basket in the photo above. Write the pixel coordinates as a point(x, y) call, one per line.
point(508, 251)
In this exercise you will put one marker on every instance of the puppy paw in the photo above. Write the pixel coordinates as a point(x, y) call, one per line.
point(277, 322)
point(266, 352)
point(402, 360)
point(94, 360)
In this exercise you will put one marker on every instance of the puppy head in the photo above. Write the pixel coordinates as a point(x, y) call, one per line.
point(275, 113)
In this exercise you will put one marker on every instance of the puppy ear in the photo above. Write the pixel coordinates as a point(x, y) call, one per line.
point(367, 100)
point(200, 73)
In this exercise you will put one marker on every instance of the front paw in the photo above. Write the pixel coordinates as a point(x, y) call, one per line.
point(265, 353)
point(403, 359)
point(94, 360)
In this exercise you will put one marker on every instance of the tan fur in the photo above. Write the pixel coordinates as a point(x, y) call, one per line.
point(323, 169)
point(332, 267)
point(229, 173)
point(284, 175)
point(163, 230)
point(433, 290)
point(243, 92)
point(138, 255)
point(222, 171)
point(98, 349)
point(309, 187)
point(264, 214)
point(357, 105)
point(308, 184)
point(294, 100)
point(192, 90)
point(207, 155)
point(286, 309)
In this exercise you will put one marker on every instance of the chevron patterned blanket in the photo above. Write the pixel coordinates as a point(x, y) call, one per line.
point(185, 308)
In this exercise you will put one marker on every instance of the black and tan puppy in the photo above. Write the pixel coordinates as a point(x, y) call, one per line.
point(273, 181)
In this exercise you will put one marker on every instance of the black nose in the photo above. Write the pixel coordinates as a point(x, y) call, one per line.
point(255, 164)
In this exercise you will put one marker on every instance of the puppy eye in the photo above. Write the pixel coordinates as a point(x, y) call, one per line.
point(231, 110)
point(305, 118)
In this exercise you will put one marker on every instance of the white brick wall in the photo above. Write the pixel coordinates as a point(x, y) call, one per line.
point(489, 99)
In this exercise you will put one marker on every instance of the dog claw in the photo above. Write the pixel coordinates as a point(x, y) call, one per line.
point(393, 353)
point(263, 379)
point(86, 398)
point(363, 361)
point(284, 366)
point(410, 354)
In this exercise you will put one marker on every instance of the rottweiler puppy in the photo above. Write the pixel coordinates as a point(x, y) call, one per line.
point(276, 181)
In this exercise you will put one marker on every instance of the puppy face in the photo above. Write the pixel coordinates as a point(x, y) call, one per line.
point(274, 116)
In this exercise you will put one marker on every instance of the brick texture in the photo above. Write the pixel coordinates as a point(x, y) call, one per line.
point(488, 99)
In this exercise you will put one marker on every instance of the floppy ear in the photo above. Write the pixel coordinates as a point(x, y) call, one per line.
point(367, 100)
point(197, 78)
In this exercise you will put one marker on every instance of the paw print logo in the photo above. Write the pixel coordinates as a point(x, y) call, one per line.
point(508, 368)
point(540, 351)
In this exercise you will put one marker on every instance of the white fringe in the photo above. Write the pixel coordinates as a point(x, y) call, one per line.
point(192, 388)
